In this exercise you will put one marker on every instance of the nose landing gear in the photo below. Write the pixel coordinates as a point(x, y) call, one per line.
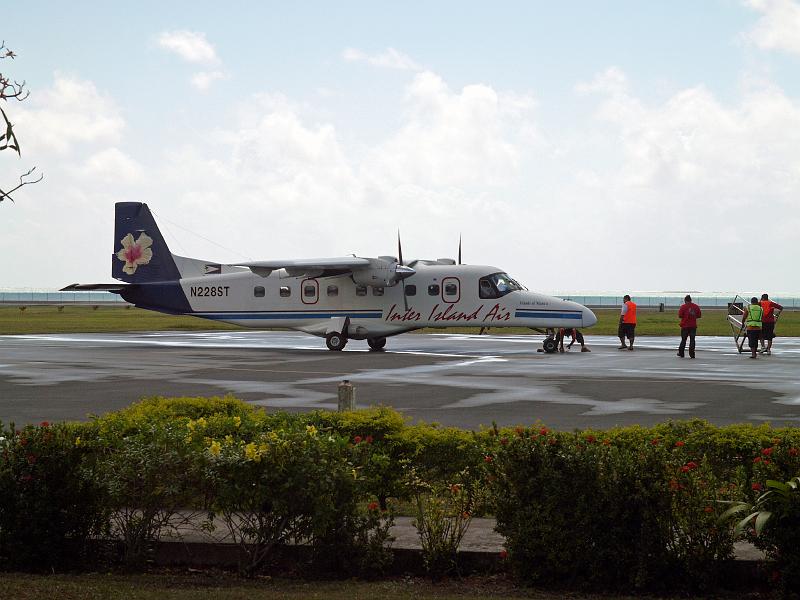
point(376, 344)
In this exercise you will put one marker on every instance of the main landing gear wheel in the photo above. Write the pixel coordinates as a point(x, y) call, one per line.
point(376, 343)
point(335, 341)
point(550, 345)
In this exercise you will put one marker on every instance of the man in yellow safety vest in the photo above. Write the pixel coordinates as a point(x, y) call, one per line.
point(752, 317)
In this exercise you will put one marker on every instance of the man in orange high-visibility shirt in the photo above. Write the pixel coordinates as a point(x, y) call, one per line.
point(627, 323)
point(768, 322)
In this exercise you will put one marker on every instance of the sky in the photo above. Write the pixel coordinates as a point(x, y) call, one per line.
point(579, 146)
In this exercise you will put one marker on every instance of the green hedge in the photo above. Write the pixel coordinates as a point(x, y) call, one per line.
point(628, 508)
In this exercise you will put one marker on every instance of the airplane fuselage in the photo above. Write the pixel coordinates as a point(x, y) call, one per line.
point(437, 295)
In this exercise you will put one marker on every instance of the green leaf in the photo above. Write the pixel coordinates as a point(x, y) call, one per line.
point(761, 520)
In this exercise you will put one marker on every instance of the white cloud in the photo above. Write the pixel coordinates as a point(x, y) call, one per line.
point(778, 28)
point(388, 59)
point(70, 113)
point(456, 138)
point(203, 79)
point(191, 46)
point(111, 166)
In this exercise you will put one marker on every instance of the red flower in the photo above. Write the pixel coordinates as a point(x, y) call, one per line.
point(680, 444)
point(765, 461)
point(552, 441)
point(44, 424)
point(31, 459)
point(368, 439)
point(756, 487)
point(455, 488)
point(519, 431)
point(757, 460)
point(23, 441)
point(674, 485)
point(793, 452)
point(591, 439)
point(606, 442)
point(503, 554)
point(543, 431)
point(708, 509)
point(767, 451)
point(372, 506)
point(504, 441)
point(27, 477)
point(654, 441)
point(487, 459)
point(357, 439)
point(691, 464)
point(685, 469)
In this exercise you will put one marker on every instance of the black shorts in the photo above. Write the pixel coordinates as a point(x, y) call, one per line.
point(753, 335)
point(768, 331)
point(627, 330)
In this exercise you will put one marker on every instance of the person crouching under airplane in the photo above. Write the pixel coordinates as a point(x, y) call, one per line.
point(627, 323)
point(752, 321)
point(575, 334)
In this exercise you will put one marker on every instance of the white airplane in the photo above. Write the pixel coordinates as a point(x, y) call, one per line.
point(339, 299)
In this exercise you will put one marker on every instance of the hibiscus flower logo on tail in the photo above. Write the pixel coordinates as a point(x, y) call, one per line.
point(135, 253)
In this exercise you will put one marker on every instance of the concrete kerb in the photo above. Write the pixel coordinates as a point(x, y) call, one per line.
point(480, 552)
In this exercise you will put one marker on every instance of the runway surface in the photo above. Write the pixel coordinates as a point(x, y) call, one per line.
point(462, 380)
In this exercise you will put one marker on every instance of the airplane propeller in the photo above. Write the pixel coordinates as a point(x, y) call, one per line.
point(400, 264)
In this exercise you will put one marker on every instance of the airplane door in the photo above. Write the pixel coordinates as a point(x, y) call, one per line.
point(451, 289)
point(309, 291)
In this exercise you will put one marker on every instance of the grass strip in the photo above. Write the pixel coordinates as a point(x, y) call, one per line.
point(105, 319)
point(219, 585)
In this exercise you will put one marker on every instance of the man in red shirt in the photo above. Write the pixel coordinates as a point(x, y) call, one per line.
point(688, 313)
point(768, 323)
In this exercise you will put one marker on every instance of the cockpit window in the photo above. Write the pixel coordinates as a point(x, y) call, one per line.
point(496, 286)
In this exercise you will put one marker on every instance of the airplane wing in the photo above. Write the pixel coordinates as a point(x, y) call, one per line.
point(297, 267)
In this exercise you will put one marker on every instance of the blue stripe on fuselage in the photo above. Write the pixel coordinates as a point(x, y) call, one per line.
point(545, 314)
point(287, 315)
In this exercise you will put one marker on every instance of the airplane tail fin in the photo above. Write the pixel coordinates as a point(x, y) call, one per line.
point(140, 253)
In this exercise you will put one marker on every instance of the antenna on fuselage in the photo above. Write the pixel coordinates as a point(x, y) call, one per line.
point(459, 248)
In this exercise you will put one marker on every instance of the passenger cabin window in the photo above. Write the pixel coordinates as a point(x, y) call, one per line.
point(377, 291)
point(309, 291)
point(286, 291)
point(258, 291)
point(411, 290)
point(497, 286)
point(333, 291)
point(433, 289)
point(451, 289)
point(361, 290)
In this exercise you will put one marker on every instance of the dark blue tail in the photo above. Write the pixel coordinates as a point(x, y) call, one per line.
point(140, 253)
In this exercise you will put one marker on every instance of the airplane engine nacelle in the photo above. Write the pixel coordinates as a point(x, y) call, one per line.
point(382, 272)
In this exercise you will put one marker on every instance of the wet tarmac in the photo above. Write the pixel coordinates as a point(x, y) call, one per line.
point(462, 380)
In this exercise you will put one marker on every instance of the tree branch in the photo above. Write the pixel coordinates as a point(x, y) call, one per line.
point(22, 182)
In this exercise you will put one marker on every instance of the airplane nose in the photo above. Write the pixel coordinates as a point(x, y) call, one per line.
point(588, 318)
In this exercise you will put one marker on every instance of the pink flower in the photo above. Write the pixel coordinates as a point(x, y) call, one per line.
point(135, 253)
